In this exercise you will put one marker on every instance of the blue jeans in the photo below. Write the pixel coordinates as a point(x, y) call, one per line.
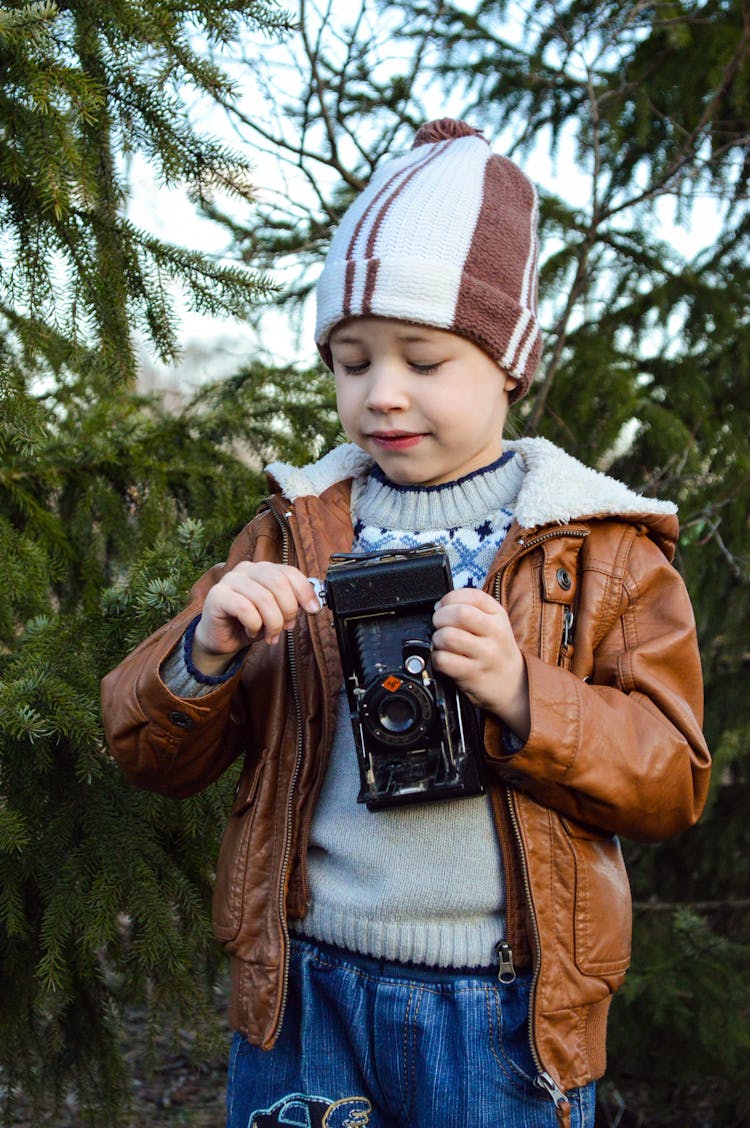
point(370, 1044)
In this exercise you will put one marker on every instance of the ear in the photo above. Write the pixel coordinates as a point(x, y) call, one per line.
point(510, 383)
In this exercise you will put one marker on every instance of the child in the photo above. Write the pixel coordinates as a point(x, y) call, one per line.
point(451, 962)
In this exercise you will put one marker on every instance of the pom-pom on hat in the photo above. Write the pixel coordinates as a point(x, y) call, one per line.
point(446, 236)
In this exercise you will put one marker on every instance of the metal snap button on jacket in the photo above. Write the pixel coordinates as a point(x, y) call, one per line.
point(563, 579)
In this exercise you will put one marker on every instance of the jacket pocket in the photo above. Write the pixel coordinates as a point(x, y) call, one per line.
point(231, 866)
point(603, 905)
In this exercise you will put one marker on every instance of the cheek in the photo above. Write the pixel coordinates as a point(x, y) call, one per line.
point(470, 414)
point(454, 411)
point(346, 405)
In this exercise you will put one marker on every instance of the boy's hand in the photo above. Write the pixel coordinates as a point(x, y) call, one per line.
point(251, 600)
point(474, 645)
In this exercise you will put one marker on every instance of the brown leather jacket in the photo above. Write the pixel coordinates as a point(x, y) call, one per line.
point(615, 747)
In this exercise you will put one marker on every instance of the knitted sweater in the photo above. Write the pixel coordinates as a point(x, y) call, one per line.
point(417, 884)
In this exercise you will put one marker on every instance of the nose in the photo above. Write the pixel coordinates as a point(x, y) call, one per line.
point(386, 391)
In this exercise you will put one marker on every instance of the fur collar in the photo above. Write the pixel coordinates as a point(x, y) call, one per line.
point(557, 488)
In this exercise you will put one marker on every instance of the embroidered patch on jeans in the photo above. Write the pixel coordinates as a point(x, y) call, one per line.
point(300, 1111)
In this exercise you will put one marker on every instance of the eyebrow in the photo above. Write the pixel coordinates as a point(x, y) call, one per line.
point(344, 339)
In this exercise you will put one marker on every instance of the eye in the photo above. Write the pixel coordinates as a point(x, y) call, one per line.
point(348, 363)
point(354, 369)
point(424, 369)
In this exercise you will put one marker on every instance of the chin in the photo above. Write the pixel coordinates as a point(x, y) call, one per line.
point(415, 479)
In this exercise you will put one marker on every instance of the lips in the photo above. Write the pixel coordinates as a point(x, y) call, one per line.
point(396, 440)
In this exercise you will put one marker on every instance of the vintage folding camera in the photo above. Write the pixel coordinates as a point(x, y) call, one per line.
point(417, 736)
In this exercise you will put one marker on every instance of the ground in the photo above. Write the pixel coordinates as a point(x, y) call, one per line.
point(176, 1094)
point(178, 1081)
point(180, 1091)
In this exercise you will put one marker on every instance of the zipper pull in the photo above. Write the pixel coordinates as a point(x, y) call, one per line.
point(545, 1081)
point(568, 620)
point(566, 646)
point(506, 972)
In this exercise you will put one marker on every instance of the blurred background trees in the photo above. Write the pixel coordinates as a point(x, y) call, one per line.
point(634, 119)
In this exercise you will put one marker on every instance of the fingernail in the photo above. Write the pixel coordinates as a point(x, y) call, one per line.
point(315, 604)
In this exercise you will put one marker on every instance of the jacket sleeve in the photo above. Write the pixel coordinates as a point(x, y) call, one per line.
point(172, 745)
point(621, 749)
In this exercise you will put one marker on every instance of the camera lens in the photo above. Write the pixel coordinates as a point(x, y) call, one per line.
point(397, 713)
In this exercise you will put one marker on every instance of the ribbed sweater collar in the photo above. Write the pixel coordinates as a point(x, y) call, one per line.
point(468, 500)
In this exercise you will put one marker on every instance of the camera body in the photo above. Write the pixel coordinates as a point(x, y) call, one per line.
point(417, 736)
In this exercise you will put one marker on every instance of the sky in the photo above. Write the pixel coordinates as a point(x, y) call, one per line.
point(212, 347)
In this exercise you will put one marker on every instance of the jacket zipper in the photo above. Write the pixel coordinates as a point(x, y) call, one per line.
point(544, 1079)
point(525, 545)
point(293, 675)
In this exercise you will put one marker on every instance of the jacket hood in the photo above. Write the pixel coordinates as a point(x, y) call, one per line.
point(556, 489)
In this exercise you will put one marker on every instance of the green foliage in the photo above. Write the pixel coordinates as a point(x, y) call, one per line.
point(105, 890)
point(116, 507)
point(85, 89)
point(687, 970)
point(110, 507)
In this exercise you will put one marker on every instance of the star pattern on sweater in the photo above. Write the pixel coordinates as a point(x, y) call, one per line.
point(471, 549)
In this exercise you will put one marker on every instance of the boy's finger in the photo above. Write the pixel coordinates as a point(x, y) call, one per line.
point(453, 641)
point(306, 594)
point(292, 589)
point(274, 595)
point(252, 599)
point(473, 597)
point(231, 604)
point(467, 617)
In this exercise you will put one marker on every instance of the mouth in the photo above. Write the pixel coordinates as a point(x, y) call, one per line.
point(396, 440)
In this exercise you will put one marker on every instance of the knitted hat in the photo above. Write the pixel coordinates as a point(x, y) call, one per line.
point(446, 236)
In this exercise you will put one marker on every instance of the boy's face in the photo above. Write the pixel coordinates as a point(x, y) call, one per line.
point(428, 405)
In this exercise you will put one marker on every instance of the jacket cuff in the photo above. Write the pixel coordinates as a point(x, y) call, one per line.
point(553, 740)
point(184, 679)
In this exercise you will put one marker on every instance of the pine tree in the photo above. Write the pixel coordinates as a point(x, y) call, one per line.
point(110, 507)
point(645, 374)
point(85, 88)
point(106, 891)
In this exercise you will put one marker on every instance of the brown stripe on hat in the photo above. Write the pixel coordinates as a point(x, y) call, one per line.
point(351, 270)
point(373, 265)
point(500, 267)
